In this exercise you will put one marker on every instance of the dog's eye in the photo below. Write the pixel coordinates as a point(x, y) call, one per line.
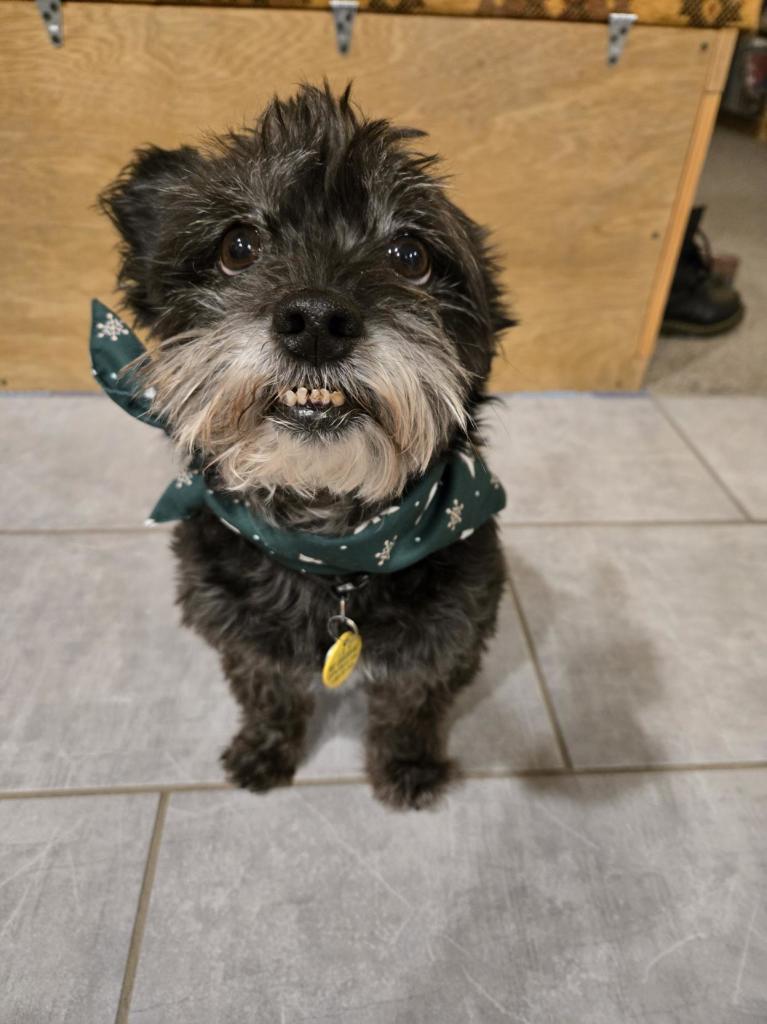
point(239, 247)
point(409, 257)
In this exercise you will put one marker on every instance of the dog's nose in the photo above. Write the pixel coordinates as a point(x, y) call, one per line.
point(317, 325)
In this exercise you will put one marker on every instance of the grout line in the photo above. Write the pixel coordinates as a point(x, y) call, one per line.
point(624, 769)
point(623, 523)
point(48, 393)
point(137, 935)
point(162, 529)
point(159, 788)
point(556, 726)
point(159, 528)
point(359, 780)
point(682, 434)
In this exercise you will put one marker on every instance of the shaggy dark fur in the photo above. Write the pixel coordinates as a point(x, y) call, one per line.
point(327, 192)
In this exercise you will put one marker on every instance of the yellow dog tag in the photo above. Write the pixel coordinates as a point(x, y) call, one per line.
point(341, 659)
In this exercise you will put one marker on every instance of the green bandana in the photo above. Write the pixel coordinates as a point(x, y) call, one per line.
point(457, 495)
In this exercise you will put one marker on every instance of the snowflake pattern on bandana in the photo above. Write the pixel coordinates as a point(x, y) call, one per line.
point(184, 478)
point(454, 514)
point(111, 328)
point(383, 556)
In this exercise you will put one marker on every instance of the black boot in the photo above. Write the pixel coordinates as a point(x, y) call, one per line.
point(701, 302)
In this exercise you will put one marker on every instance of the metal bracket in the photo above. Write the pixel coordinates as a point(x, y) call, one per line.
point(344, 12)
point(618, 26)
point(50, 12)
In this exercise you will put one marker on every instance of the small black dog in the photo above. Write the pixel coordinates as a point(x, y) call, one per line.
point(324, 322)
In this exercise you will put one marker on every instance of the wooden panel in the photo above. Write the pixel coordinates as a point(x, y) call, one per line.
point(743, 14)
point(575, 165)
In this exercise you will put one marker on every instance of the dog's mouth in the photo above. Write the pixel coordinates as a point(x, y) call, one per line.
point(313, 408)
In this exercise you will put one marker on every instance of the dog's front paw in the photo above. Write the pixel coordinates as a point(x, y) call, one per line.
point(258, 767)
point(414, 784)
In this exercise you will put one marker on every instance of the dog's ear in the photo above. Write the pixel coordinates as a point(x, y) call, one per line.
point(135, 203)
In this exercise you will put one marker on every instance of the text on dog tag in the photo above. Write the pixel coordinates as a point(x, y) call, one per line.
point(341, 659)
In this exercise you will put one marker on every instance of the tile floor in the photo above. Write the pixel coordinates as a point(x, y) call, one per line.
point(604, 863)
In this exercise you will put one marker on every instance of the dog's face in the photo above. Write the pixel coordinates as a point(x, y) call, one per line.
point(324, 316)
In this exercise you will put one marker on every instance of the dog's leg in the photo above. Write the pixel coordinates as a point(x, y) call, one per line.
point(276, 705)
point(406, 741)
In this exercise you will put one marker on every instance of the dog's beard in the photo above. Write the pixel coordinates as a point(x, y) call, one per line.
point(405, 392)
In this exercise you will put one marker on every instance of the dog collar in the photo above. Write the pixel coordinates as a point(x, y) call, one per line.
point(455, 497)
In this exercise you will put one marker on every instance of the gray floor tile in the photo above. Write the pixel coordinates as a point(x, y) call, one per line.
point(731, 434)
point(652, 639)
point(594, 900)
point(586, 458)
point(70, 876)
point(76, 462)
point(99, 683)
point(500, 722)
point(102, 685)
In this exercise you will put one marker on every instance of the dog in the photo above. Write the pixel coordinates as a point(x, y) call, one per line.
point(323, 321)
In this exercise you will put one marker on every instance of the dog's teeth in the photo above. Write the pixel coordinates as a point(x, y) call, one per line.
point(317, 396)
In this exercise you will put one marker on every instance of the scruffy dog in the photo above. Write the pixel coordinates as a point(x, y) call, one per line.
point(323, 322)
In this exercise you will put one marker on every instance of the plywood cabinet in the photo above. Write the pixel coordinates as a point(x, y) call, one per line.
point(583, 171)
